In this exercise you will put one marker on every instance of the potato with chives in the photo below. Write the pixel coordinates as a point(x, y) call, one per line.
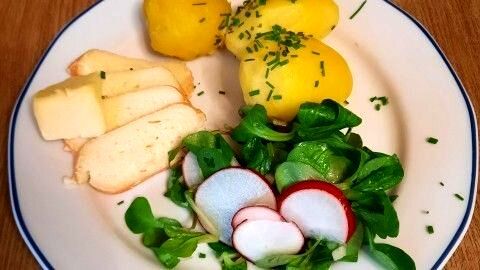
point(313, 17)
point(186, 28)
point(281, 78)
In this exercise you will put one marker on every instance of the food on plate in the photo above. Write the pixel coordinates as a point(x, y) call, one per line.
point(307, 203)
point(121, 82)
point(255, 213)
point(186, 29)
point(312, 17)
point(258, 239)
point(70, 109)
point(192, 173)
point(331, 194)
point(126, 156)
point(98, 60)
point(122, 109)
point(280, 82)
point(224, 193)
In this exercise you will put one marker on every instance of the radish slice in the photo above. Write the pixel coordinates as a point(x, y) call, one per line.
point(255, 213)
point(192, 173)
point(225, 192)
point(257, 239)
point(319, 209)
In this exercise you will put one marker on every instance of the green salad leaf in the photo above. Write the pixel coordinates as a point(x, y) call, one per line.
point(379, 174)
point(291, 172)
point(390, 257)
point(317, 121)
point(228, 257)
point(166, 237)
point(176, 189)
point(256, 124)
point(262, 157)
point(353, 246)
point(212, 151)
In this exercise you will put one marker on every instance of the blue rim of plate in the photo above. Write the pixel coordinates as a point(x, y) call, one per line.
point(45, 264)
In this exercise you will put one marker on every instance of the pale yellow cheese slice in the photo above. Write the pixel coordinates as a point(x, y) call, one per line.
point(70, 109)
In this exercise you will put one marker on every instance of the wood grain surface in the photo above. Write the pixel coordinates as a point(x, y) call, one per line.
point(27, 27)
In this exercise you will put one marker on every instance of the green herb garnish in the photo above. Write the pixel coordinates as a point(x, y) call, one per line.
point(429, 229)
point(432, 140)
point(199, 4)
point(442, 184)
point(358, 10)
point(200, 93)
point(269, 94)
point(202, 255)
point(202, 20)
point(103, 75)
point(269, 85)
point(316, 53)
point(277, 97)
point(322, 68)
point(222, 92)
point(316, 83)
point(120, 202)
point(249, 60)
point(254, 92)
point(266, 73)
point(458, 196)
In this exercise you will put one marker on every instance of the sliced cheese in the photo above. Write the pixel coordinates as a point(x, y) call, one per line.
point(126, 156)
point(70, 109)
point(122, 109)
point(121, 82)
point(98, 60)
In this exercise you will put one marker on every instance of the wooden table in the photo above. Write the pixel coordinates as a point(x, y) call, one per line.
point(27, 27)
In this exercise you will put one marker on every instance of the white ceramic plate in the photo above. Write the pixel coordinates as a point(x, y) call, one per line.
point(389, 53)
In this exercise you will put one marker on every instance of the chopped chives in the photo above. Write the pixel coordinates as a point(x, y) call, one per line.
point(103, 75)
point(269, 94)
point(120, 202)
point(333, 27)
point(240, 25)
point(265, 57)
point(249, 50)
point(270, 85)
point(267, 72)
point(426, 212)
point(346, 102)
point(254, 92)
point(277, 97)
point(221, 92)
point(247, 14)
point(201, 93)
point(249, 36)
point(241, 35)
point(255, 47)
point(442, 184)
point(358, 10)
point(249, 59)
point(429, 229)
point(257, 14)
point(432, 140)
point(383, 100)
point(202, 255)
point(377, 107)
point(316, 83)
point(316, 53)
point(372, 99)
point(199, 4)
point(202, 20)
point(459, 196)
point(293, 55)
point(322, 68)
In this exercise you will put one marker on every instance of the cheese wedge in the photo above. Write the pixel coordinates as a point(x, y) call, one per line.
point(70, 109)
point(126, 156)
point(98, 60)
point(121, 82)
point(122, 109)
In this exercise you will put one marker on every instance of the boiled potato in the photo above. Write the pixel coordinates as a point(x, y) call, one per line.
point(312, 73)
point(185, 28)
point(312, 17)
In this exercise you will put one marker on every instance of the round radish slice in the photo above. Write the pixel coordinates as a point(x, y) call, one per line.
point(255, 213)
point(319, 209)
point(225, 192)
point(257, 239)
point(192, 174)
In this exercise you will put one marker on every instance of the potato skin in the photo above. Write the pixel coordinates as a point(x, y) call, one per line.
point(185, 28)
point(296, 81)
point(312, 17)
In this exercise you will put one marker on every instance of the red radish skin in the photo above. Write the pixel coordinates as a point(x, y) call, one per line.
point(326, 187)
point(257, 239)
point(255, 213)
point(225, 192)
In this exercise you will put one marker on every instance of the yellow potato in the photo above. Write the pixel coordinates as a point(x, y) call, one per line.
point(185, 28)
point(312, 17)
point(315, 72)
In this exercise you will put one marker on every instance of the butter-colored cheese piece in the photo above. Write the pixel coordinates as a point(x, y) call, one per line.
point(70, 109)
